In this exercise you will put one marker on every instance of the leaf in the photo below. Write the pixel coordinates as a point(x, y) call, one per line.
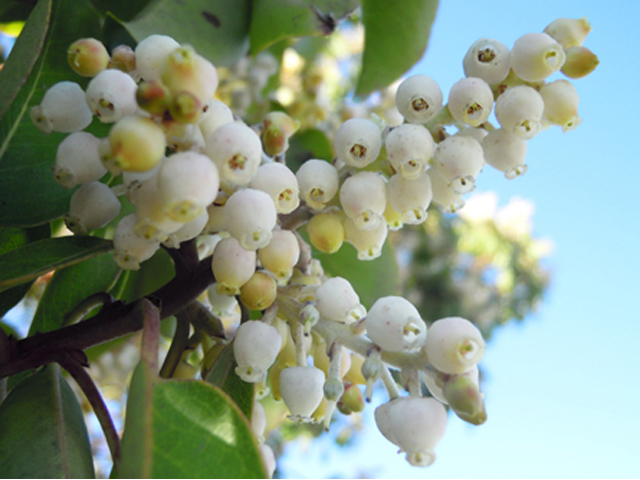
point(307, 144)
point(223, 375)
point(396, 37)
point(11, 238)
point(275, 20)
point(28, 194)
point(34, 259)
point(217, 29)
point(153, 274)
point(42, 430)
point(124, 10)
point(15, 11)
point(68, 287)
point(25, 51)
point(371, 279)
point(185, 429)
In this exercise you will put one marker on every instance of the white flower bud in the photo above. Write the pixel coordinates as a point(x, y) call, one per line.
point(487, 59)
point(63, 109)
point(188, 183)
point(92, 206)
point(318, 182)
point(363, 199)
point(418, 424)
point(454, 345)
point(281, 254)
point(410, 197)
point(221, 304)
point(237, 152)
point(459, 159)
point(232, 265)
point(277, 180)
point(258, 421)
point(152, 223)
point(217, 114)
point(255, 347)
point(268, 459)
point(535, 56)
point(338, 301)
point(188, 231)
point(443, 195)
point(131, 179)
point(111, 95)
point(368, 243)
point(409, 148)
point(395, 325)
point(151, 54)
point(302, 391)
point(519, 110)
point(78, 160)
point(561, 104)
point(419, 98)
point(250, 216)
point(505, 152)
point(357, 142)
point(470, 101)
point(383, 420)
point(474, 132)
point(130, 249)
point(569, 32)
point(184, 70)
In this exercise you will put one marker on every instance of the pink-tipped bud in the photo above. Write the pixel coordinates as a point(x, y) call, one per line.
point(464, 397)
point(87, 57)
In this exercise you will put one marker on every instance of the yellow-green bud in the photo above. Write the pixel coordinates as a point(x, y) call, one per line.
point(259, 292)
point(326, 232)
point(464, 397)
point(569, 32)
point(580, 62)
point(153, 97)
point(87, 57)
point(352, 400)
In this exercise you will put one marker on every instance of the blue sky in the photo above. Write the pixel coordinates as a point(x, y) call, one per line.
point(563, 387)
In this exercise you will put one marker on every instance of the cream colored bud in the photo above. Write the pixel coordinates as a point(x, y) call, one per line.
point(410, 197)
point(470, 101)
point(443, 194)
point(281, 254)
point(318, 182)
point(409, 148)
point(505, 152)
point(368, 243)
point(280, 183)
point(561, 104)
point(363, 199)
point(519, 110)
point(580, 62)
point(569, 32)
point(232, 265)
point(535, 56)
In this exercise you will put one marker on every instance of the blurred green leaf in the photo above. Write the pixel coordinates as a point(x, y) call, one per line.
point(34, 259)
point(68, 287)
point(153, 274)
point(371, 279)
point(169, 421)
point(223, 375)
point(275, 20)
point(11, 238)
point(25, 53)
point(307, 144)
point(396, 37)
point(28, 194)
point(42, 430)
point(217, 29)
point(124, 10)
point(15, 11)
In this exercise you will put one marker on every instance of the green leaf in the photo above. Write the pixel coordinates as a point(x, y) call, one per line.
point(185, 429)
point(11, 238)
point(24, 55)
point(124, 10)
point(396, 37)
point(307, 144)
point(28, 194)
point(34, 259)
point(217, 29)
point(153, 274)
point(371, 279)
point(42, 430)
point(68, 287)
point(275, 20)
point(15, 11)
point(223, 375)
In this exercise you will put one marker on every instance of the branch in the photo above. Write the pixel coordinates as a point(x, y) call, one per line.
point(116, 321)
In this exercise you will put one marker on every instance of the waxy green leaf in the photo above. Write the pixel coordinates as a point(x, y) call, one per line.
point(34, 259)
point(223, 375)
point(185, 429)
point(217, 29)
point(42, 430)
point(29, 195)
point(275, 20)
point(396, 37)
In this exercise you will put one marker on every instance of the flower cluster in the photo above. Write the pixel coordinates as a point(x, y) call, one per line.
point(191, 169)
